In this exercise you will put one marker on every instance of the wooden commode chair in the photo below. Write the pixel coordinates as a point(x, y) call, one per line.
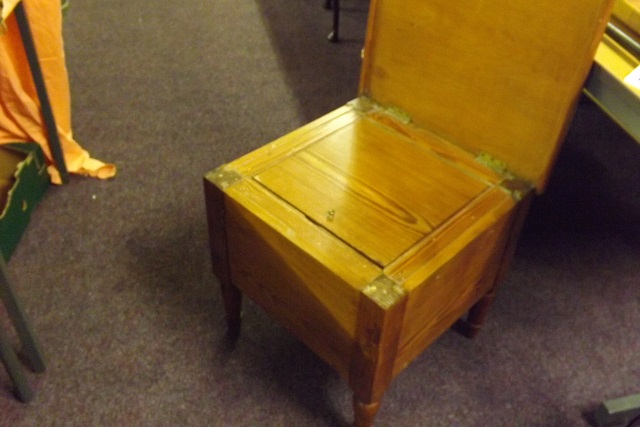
point(370, 231)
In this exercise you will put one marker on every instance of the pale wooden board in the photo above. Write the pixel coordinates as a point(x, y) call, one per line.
point(494, 76)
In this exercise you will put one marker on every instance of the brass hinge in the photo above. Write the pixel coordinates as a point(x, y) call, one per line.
point(492, 163)
point(365, 104)
point(398, 114)
point(516, 187)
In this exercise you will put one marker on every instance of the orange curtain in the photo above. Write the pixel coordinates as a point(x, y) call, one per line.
point(20, 115)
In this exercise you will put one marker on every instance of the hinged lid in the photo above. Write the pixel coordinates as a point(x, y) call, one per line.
point(379, 186)
point(494, 76)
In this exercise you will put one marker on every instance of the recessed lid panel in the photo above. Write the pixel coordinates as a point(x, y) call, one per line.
point(375, 189)
point(494, 76)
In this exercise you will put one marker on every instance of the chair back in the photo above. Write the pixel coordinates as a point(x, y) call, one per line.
point(498, 77)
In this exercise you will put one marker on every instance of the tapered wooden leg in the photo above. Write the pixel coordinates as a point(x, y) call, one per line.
point(478, 314)
point(380, 315)
point(232, 300)
point(364, 413)
point(214, 183)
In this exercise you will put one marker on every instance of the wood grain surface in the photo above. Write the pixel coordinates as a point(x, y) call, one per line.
point(494, 76)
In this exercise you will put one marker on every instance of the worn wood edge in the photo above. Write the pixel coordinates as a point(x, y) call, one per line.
point(287, 145)
point(458, 244)
point(384, 291)
point(223, 177)
point(462, 228)
point(317, 242)
point(380, 318)
point(364, 85)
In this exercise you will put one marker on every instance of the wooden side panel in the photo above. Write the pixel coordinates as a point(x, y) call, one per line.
point(494, 76)
point(439, 296)
point(299, 273)
point(449, 239)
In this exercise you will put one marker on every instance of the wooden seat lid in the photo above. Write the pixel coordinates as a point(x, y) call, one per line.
point(493, 76)
point(377, 189)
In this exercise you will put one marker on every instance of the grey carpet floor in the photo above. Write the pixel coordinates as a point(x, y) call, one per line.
point(116, 277)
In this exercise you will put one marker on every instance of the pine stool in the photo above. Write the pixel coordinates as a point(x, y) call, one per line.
point(370, 231)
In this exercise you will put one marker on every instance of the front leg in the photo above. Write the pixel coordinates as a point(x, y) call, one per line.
point(214, 184)
point(364, 413)
point(380, 316)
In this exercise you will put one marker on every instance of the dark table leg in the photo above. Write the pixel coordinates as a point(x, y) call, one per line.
point(333, 36)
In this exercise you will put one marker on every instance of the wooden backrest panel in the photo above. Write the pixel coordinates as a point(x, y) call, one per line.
point(494, 76)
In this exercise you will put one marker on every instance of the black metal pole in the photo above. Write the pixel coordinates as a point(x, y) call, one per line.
point(617, 31)
point(30, 345)
point(45, 105)
point(335, 6)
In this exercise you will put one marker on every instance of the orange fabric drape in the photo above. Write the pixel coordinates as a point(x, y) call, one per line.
point(20, 115)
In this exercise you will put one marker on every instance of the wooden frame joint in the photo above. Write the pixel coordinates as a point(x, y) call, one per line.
point(223, 177)
point(384, 292)
point(380, 318)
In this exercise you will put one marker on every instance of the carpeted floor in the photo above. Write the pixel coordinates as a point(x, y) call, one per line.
point(116, 275)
